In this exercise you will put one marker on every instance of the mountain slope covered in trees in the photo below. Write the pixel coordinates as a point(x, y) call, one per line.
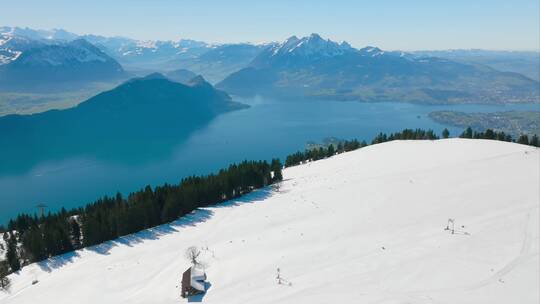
point(141, 114)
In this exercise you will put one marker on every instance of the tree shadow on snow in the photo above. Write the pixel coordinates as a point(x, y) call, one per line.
point(200, 297)
point(58, 261)
point(192, 219)
point(249, 198)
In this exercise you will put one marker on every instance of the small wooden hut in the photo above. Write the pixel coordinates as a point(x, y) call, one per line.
point(193, 282)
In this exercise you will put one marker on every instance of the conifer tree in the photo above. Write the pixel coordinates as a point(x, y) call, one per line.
point(75, 233)
point(468, 133)
point(523, 139)
point(445, 133)
point(4, 271)
point(340, 147)
point(331, 151)
point(489, 134)
point(275, 167)
point(12, 257)
point(534, 141)
point(33, 245)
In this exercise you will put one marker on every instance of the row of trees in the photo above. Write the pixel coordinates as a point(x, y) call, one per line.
point(345, 146)
point(323, 152)
point(494, 135)
point(111, 217)
point(407, 134)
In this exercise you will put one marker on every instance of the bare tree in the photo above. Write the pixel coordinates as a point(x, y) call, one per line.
point(278, 277)
point(450, 225)
point(280, 280)
point(192, 254)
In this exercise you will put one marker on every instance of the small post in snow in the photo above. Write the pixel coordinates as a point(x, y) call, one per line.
point(278, 277)
point(450, 225)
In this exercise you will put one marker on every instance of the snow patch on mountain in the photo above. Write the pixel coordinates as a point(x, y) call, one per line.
point(4, 39)
point(371, 51)
point(146, 44)
point(54, 57)
point(54, 34)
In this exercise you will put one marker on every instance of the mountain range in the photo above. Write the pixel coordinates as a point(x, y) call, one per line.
point(523, 62)
point(39, 65)
point(146, 54)
point(313, 67)
point(213, 61)
point(307, 67)
point(220, 61)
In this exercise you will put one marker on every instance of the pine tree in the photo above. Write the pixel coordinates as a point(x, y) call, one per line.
point(12, 257)
point(340, 148)
point(275, 166)
point(489, 134)
point(75, 233)
point(331, 151)
point(468, 133)
point(523, 139)
point(445, 133)
point(33, 245)
point(4, 271)
point(534, 141)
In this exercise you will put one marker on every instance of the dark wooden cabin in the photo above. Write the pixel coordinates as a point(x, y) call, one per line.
point(193, 282)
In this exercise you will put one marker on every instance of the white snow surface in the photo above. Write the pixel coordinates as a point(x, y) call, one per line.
point(361, 227)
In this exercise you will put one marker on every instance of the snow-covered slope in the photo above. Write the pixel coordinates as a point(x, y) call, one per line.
point(361, 227)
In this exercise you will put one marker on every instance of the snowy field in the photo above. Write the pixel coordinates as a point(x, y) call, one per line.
point(361, 227)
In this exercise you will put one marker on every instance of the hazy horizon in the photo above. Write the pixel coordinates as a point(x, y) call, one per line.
point(263, 42)
point(390, 25)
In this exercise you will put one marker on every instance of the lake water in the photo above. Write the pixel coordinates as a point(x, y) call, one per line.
point(269, 128)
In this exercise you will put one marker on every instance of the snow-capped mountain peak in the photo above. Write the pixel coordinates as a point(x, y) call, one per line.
point(78, 50)
point(371, 51)
point(11, 46)
point(311, 46)
point(54, 34)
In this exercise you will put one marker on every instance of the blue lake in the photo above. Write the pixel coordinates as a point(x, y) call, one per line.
point(267, 129)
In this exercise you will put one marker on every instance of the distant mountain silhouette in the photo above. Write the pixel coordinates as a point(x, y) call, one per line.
point(47, 65)
point(523, 62)
point(181, 75)
point(218, 62)
point(316, 68)
point(135, 121)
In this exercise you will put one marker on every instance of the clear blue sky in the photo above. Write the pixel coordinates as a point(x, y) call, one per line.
point(389, 24)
